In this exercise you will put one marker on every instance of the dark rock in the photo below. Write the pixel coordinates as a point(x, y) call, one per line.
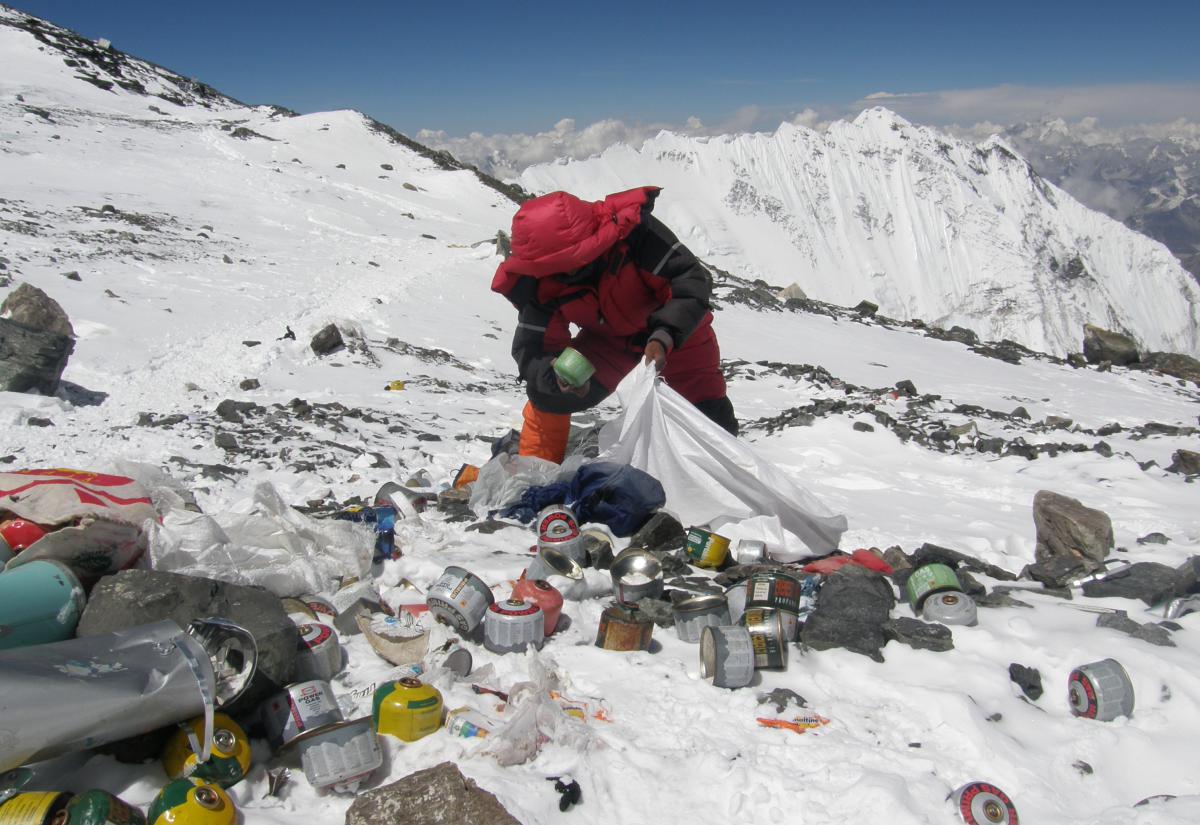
point(136, 597)
point(249, 384)
point(31, 360)
point(428, 437)
point(1109, 429)
point(1153, 538)
point(933, 554)
point(227, 259)
point(662, 532)
point(72, 276)
point(1103, 448)
point(434, 796)
point(1083, 767)
point(234, 411)
point(970, 585)
point(599, 551)
point(387, 167)
point(1028, 679)
point(489, 526)
point(866, 308)
point(1146, 580)
point(456, 504)
point(1173, 364)
point(226, 441)
point(251, 343)
point(853, 606)
point(1057, 571)
point(1065, 527)
point(378, 461)
point(1020, 412)
point(1076, 360)
point(1187, 577)
point(782, 698)
point(31, 308)
point(962, 335)
point(906, 388)
point(895, 557)
point(503, 244)
point(919, 635)
point(998, 599)
point(863, 427)
point(1121, 622)
point(328, 340)
point(1185, 461)
point(34, 421)
point(1101, 345)
point(1057, 422)
point(659, 611)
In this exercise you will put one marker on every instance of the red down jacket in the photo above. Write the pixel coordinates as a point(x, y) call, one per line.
point(617, 274)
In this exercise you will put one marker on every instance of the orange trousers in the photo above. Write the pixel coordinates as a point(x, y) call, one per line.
point(544, 434)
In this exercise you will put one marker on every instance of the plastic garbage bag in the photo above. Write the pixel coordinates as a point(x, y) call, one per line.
point(534, 717)
point(505, 478)
point(707, 473)
point(265, 543)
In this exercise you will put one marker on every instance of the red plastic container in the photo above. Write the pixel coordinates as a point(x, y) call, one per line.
point(545, 596)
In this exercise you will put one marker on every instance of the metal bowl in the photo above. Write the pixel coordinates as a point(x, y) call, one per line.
point(634, 561)
point(551, 562)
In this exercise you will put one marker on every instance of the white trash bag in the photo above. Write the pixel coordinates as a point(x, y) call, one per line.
point(707, 474)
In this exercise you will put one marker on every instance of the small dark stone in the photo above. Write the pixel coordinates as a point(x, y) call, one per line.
point(662, 532)
point(387, 167)
point(997, 599)
point(489, 526)
point(428, 437)
point(919, 635)
point(970, 585)
point(226, 441)
point(34, 421)
point(1153, 538)
point(781, 698)
point(1187, 577)
point(1028, 679)
point(72, 276)
point(234, 411)
point(863, 427)
point(1057, 571)
point(995, 717)
point(378, 461)
point(1076, 360)
point(1083, 767)
point(288, 335)
point(1185, 462)
point(328, 340)
point(1020, 412)
point(430, 237)
point(1109, 429)
point(1120, 621)
point(933, 554)
point(659, 611)
point(1103, 448)
point(227, 259)
point(906, 388)
point(1147, 580)
point(1103, 346)
point(599, 551)
point(251, 343)
point(249, 384)
point(866, 308)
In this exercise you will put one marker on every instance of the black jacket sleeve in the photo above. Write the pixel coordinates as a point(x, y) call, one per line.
point(528, 348)
point(654, 248)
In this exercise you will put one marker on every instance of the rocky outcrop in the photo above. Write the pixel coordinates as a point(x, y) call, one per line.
point(1065, 527)
point(1100, 345)
point(434, 796)
point(36, 339)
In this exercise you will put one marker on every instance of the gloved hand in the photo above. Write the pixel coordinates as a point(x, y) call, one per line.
point(657, 347)
point(581, 390)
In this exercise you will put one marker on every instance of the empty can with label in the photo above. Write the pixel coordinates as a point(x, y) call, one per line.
point(513, 625)
point(726, 656)
point(318, 654)
point(460, 599)
point(299, 710)
point(767, 636)
point(694, 614)
point(750, 551)
point(623, 627)
point(341, 757)
point(98, 807)
point(982, 803)
point(407, 709)
point(927, 580)
point(468, 723)
point(558, 529)
point(705, 548)
point(1100, 690)
point(35, 808)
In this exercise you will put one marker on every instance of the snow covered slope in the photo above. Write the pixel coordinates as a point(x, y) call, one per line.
point(193, 248)
point(922, 224)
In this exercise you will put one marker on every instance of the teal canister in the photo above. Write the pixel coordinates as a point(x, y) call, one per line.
point(40, 602)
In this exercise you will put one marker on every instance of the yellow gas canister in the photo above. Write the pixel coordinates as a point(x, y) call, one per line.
point(407, 709)
point(35, 808)
point(230, 757)
point(192, 801)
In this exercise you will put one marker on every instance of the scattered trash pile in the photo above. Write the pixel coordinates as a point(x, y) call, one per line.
point(188, 669)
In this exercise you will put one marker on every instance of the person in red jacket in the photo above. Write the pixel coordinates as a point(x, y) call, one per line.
point(631, 288)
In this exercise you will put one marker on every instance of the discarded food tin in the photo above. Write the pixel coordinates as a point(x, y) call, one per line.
point(773, 589)
point(468, 723)
point(318, 654)
point(230, 759)
point(558, 528)
point(573, 367)
point(341, 757)
point(705, 548)
point(750, 551)
point(623, 627)
point(513, 625)
point(950, 607)
point(35, 808)
point(726, 656)
point(98, 807)
point(927, 580)
point(192, 801)
point(545, 596)
point(301, 709)
point(982, 803)
point(694, 614)
point(407, 709)
point(459, 598)
point(768, 636)
point(1100, 690)
point(636, 574)
point(453, 657)
point(40, 602)
point(551, 562)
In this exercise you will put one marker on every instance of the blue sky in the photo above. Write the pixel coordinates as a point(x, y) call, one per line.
point(522, 67)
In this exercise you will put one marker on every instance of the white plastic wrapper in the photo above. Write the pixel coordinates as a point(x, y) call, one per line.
point(266, 543)
point(706, 473)
point(504, 478)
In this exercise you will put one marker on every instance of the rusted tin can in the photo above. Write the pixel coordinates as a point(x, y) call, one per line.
point(318, 654)
point(341, 757)
point(558, 529)
point(950, 607)
point(545, 596)
point(513, 625)
point(750, 551)
point(1100, 690)
point(726, 656)
point(636, 574)
point(623, 627)
point(35, 808)
point(460, 599)
point(301, 709)
point(982, 803)
point(767, 636)
point(694, 614)
point(192, 801)
point(230, 758)
point(927, 580)
point(407, 709)
point(467, 723)
point(705, 548)
point(98, 807)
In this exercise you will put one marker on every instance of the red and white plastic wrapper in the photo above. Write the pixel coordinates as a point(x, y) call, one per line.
point(707, 473)
point(96, 523)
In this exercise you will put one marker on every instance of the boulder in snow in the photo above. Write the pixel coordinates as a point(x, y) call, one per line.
point(1100, 345)
point(852, 608)
point(1185, 461)
point(433, 796)
point(328, 340)
point(1065, 527)
point(36, 339)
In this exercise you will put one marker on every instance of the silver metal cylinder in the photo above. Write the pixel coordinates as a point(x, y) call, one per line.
point(982, 803)
point(727, 656)
point(513, 625)
point(1100, 690)
point(950, 607)
point(694, 614)
point(459, 598)
point(300, 710)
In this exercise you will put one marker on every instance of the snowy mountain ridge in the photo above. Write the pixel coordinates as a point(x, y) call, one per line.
point(922, 224)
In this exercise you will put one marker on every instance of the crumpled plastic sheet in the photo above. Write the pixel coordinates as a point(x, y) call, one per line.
point(263, 542)
point(707, 473)
point(536, 719)
point(505, 478)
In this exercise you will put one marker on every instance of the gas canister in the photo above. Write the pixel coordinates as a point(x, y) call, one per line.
point(192, 801)
point(230, 752)
point(407, 709)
